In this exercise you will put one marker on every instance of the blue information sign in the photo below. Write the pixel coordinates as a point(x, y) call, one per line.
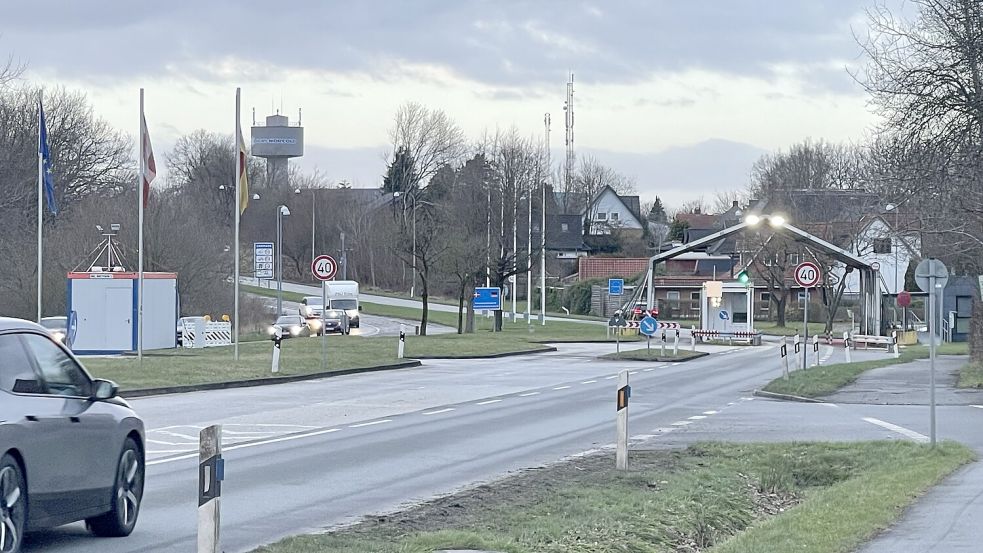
point(263, 260)
point(616, 286)
point(487, 299)
point(648, 325)
point(724, 315)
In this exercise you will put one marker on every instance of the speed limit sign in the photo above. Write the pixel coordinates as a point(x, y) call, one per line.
point(324, 267)
point(807, 274)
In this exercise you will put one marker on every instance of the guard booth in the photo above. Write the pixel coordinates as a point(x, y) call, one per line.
point(103, 311)
point(727, 307)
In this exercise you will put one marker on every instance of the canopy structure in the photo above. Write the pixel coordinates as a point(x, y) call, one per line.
point(870, 291)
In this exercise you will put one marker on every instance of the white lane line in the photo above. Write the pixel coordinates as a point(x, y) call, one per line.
point(906, 432)
point(588, 382)
point(632, 373)
point(527, 394)
point(682, 423)
point(731, 403)
point(177, 435)
point(697, 417)
point(371, 423)
point(561, 387)
point(647, 370)
point(165, 451)
point(161, 442)
point(438, 411)
point(710, 412)
point(252, 444)
point(488, 402)
point(977, 406)
point(257, 433)
point(269, 425)
point(611, 377)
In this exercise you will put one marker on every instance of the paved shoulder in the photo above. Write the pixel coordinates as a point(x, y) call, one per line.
point(908, 384)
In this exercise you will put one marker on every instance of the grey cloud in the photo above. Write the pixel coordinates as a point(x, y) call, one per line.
point(506, 43)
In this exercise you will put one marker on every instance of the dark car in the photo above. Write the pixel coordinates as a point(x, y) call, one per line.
point(291, 326)
point(70, 449)
point(335, 320)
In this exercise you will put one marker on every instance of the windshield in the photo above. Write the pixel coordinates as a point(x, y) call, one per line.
point(344, 304)
point(288, 321)
point(313, 301)
point(333, 314)
point(54, 322)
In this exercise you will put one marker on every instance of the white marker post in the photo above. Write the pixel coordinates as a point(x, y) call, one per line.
point(894, 338)
point(624, 393)
point(692, 338)
point(784, 352)
point(663, 354)
point(815, 350)
point(402, 342)
point(277, 338)
point(797, 345)
point(211, 471)
point(675, 344)
point(846, 346)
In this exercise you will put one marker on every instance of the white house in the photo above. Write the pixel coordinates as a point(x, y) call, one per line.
point(894, 251)
point(609, 211)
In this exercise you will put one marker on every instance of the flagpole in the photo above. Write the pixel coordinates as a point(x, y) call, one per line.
point(238, 209)
point(40, 199)
point(141, 175)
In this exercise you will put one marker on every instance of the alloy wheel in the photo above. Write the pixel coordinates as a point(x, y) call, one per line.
point(11, 509)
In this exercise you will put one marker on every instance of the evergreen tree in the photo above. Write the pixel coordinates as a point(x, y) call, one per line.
point(401, 175)
point(658, 213)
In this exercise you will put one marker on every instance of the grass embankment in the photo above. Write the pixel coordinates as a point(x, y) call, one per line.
point(804, 497)
point(655, 355)
point(971, 376)
point(824, 380)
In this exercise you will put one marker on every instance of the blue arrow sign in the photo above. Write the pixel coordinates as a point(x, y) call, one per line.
point(616, 286)
point(724, 315)
point(487, 298)
point(647, 326)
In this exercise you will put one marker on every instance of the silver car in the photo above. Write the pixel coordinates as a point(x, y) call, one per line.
point(70, 449)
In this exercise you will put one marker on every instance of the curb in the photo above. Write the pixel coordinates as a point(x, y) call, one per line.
point(698, 355)
point(546, 349)
point(270, 380)
point(786, 397)
point(572, 341)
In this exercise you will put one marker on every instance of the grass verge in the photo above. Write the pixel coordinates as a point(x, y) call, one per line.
point(821, 381)
point(653, 355)
point(806, 497)
point(971, 376)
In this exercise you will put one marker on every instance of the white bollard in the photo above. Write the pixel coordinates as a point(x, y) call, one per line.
point(692, 338)
point(784, 352)
point(624, 393)
point(277, 338)
point(675, 344)
point(815, 350)
point(211, 469)
point(663, 353)
point(402, 342)
point(897, 352)
point(797, 345)
point(846, 346)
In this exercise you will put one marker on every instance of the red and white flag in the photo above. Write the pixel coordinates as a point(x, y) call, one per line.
point(149, 165)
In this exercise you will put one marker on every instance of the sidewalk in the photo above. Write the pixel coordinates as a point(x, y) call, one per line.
point(908, 384)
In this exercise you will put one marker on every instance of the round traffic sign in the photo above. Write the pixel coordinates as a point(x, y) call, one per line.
point(324, 267)
point(807, 274)
point(875, 266)
point(929, 269)
point(904, 299)
point(648, 325)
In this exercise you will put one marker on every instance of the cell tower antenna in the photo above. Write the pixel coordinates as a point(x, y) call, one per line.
point(300, 113)
point(254, 116)
point(571, 156)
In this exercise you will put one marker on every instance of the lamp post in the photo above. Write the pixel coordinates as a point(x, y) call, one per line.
point(313, 223)
point(529, 262)
point(281, 212)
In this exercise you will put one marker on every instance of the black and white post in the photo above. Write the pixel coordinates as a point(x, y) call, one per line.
point(624, 393)
point(401, 348)
point(210, 475)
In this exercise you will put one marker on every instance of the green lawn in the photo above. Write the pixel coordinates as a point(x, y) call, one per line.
point(791, 328)
point(824, 380)
point(655, 354)
point(803, 497)
point(971, 376)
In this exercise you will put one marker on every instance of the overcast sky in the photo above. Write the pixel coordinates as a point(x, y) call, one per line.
point(683, 95)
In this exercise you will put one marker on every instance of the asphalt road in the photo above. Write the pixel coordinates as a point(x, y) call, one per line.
point(304, 456)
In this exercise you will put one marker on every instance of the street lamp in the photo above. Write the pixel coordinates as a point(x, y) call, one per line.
point(281, 212)
point(413, 255)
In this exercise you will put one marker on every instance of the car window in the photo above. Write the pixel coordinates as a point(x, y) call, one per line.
point(16, 373)
point(61, 373)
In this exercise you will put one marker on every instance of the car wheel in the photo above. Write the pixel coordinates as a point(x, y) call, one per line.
point(127, 494)
point(13, 505)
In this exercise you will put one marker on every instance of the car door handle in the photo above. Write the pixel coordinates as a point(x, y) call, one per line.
point(31, 418)
point(74, 419)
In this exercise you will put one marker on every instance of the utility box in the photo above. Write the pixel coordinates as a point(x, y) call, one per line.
point(735, 312)
point(103, 308)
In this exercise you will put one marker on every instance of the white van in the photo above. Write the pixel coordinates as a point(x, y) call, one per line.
point(343, 294)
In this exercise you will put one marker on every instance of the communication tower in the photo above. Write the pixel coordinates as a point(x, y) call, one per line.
point(277, 142)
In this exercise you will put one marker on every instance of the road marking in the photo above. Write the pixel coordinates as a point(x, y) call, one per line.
point(177, 435)
point(439, 411)
point(561, 387)
point(633, 373)
point(588, 382)
point(361, 424)
point(697, 417)
point(251, 444)
point(610, 377)
point(165, 451)
point(487, 402)
point(647, 370)
point(710, 412)
point(241, 433)
point(527, 394)
point(682, 423)
point(161, 442)
point(908, 433)
point(977, 406)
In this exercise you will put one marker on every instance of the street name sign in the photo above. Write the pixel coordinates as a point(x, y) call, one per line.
point(263, 260)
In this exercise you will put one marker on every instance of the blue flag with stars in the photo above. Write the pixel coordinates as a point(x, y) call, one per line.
point(45, 165)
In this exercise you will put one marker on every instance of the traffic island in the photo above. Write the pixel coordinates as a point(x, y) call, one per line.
point(815, 497)
point(654, 355)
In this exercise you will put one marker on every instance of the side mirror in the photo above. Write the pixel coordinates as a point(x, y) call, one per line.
point(104, 389)
point(359, 307)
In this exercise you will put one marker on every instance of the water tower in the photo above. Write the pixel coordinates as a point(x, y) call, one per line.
point(277, 141)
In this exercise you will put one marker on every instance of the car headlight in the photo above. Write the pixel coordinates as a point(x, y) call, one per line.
point(271, 331)
point(295, 330)
point(315, 323)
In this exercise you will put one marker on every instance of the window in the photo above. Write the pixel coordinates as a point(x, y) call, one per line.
point(695, 296)
point(882, 245)
point(16, 372)
point(564, 227)
point(766, 296)
point(61, 373)
point(602, 216)
point(794, 259)
point(615, 215)
point(672, 295)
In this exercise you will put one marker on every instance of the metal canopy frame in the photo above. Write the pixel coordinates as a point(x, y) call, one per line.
point(870, 292)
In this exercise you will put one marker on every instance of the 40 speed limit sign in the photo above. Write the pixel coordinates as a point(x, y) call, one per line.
point(808, 275)
point(324, 267)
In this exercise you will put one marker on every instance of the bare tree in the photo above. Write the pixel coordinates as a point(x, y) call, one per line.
point(430, 138)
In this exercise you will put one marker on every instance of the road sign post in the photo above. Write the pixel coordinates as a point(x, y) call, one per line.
point(487, 298)
point(211, 469)
point(624, 393)
point(324, 268)
point(807, 275)
point(647, 327)
point(263, 260)
point(931, 275)
point(616, 286)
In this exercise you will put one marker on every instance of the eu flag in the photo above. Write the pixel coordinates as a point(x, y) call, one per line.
point(45, 164)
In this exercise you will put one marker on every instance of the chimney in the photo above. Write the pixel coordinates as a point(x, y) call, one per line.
point(696, 210)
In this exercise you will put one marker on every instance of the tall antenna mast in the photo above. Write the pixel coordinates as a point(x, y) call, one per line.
point(571, 157)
